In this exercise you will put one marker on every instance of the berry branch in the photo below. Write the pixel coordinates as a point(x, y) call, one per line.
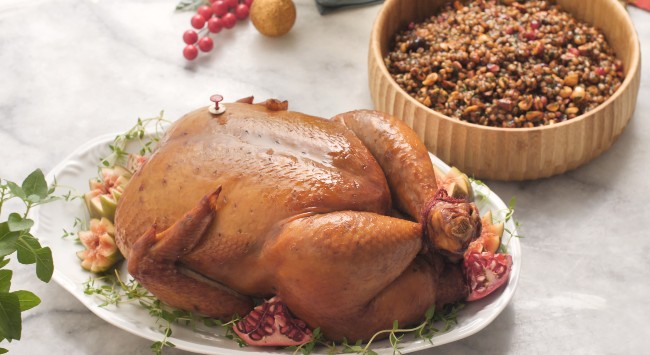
point(211, 17)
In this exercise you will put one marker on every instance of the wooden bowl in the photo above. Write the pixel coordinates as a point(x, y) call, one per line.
point(510, 153)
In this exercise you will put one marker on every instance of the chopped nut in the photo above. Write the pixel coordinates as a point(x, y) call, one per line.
point(430, 79)
point(526, 103)
point(578, 94)
point(505, 104)
point(572, 110)
point(534, 115)
point(470, 109)
point(553, 106)
point(571, 79)
point(566, 92)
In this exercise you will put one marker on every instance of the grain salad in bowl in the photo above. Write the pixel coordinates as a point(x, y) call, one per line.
point(505, 63)
point(507, 90)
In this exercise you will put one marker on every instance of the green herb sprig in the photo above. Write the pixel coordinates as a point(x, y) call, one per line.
point(190, 5)
point(137, 133)
point(111, 290)
point(16, 238)
point(430, 326)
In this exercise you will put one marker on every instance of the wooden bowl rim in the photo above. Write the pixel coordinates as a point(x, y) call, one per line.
point(634, 67)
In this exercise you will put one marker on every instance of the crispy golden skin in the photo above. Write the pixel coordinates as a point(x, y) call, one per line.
point(302, 212)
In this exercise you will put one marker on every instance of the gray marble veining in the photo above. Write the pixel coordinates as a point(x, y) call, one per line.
point(71, 70)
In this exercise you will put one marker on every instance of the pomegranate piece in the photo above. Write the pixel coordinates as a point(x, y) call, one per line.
point(271, 324)
point(486, 272)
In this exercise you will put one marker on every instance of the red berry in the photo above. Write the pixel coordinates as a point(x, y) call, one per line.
point(232, 3)
point(206, 44)
point(198, 21)
point(229, 20)
point(248, 3)
point(190, 37)
point(205, 11)
point(215, 25)
point(190, 52)
point(601, 71)
point(220, 8)
point(241, 11)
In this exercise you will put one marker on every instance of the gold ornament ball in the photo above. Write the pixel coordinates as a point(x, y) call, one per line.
point(273, 17)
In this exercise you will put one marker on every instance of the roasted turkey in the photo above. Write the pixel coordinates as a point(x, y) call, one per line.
point(342, 219)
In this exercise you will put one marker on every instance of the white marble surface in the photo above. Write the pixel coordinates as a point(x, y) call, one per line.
point(75, 69)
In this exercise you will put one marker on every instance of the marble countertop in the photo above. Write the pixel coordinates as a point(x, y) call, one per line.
point(71, 70)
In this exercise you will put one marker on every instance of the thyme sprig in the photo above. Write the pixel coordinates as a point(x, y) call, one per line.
point(113, 291)
point(137, 133)
point(433, 323)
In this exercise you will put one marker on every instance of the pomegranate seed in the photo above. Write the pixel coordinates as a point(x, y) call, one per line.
point(198, 21)
point(618, 65)
point(190, 52)
point(574, 51)
point(219, 8)
point(534, 24)
point(206, 44)
point(215, 25)
point(241, 12)
point(493, 67)
point(531, 35)
point(232, 3)
point(600, 71)
point(205, 11)
point(229, 20)
point(510, 30)
point(190, 37)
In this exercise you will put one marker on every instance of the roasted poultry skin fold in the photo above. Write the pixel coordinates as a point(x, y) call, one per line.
point(341, 218)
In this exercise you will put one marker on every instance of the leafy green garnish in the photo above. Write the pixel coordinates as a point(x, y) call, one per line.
point(111, 290)
point(137, 133)
point(190, 5)
point(16, 237)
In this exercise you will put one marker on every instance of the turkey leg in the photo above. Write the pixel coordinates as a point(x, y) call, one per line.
point(353, 272)
point(450, 224)
point(154, 263)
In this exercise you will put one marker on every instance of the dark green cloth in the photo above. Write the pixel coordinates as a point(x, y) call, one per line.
point(325, 6)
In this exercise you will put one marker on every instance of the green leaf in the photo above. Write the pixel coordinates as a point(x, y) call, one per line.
point(27, 300)
point(44, 264)
point(5, 280)
point(35, 184)
point(27, 245)
point(3, 263)
point(7, 240)
point(3, 350)
point(17, 223)
point(187, 5)
point(10, 321)
point(16, 190)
